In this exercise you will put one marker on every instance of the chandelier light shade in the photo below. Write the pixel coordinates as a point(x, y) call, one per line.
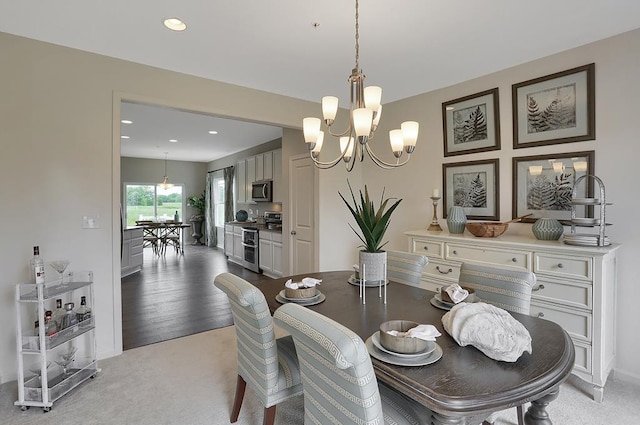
point(165, 180)
point(365, 111)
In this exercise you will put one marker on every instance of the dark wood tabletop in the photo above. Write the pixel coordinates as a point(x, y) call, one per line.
point(464, 383)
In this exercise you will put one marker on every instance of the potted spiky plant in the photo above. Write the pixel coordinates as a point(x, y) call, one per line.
point(372, 223)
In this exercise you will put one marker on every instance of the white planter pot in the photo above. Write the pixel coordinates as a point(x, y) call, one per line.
point(373, 266)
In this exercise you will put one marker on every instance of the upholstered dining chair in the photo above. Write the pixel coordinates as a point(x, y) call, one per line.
point(268, 365)
point(340, 385)
point(504, 288)
point(405, 267)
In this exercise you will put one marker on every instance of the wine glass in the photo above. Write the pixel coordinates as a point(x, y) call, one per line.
point(60, 266)
point(66, 359)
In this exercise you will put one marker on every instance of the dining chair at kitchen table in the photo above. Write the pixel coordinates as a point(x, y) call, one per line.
point(340, 385)
point(405, 267)
point(268, 365)
point(504, 288)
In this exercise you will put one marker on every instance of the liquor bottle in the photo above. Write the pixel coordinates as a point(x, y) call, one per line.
point(37, 266)
point(176, 217)
point(58, 314)
point(69, 319)
point(83, 312)
point(50, 327)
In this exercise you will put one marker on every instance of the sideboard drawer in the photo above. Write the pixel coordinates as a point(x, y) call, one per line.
point(576, 323)
point(563, 292)
point(428, 248)
point(443, 271)
point(506, 258)
point(563, 266)
point(583, 357)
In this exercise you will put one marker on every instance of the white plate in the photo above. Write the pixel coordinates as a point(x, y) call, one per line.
point(394, 359)
point(585, 201)
point(375, 338)
point(587, 221)
point(297, 300)
point(586, 243)
point(352, 280)
point(308, 302)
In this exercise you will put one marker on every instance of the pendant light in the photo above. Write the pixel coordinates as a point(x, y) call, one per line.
point(165, 180)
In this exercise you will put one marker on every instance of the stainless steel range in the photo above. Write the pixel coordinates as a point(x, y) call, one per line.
point(273, 220)
point(250, 255)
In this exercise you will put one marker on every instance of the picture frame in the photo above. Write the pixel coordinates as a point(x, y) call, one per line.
point(543, 188)
point(474, 185)
point(471, 124)
point(556, 108)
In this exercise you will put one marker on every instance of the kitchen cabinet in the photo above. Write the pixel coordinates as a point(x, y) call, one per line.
point(132, 252)
point(40, 349)
point(264, 166)
point(228, 240)
point(575, 286)
point(270, 243)
point(238, 249)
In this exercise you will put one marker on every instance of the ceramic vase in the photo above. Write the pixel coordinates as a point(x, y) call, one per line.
point(374, 266)
point(547, 229)
point(456, 220)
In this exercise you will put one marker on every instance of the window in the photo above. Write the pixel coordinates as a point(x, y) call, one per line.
point(151, 202)
point(218, 200)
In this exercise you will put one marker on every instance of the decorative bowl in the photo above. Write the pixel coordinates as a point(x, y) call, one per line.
point(446, 298)
point(242, 215)
point(300, 292)
point(400, 343)
point(487, 229)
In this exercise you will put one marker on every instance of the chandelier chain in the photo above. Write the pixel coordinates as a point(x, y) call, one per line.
point(357, 38)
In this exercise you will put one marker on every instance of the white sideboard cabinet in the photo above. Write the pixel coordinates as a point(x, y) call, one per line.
point(575, 286)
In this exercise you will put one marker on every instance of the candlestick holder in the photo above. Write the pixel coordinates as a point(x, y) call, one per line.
point(435, 226)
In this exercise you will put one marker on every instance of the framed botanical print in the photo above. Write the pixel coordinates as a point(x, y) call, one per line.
point(471, 124)
point(557, 108)
point(543, 185)
point(472, 185)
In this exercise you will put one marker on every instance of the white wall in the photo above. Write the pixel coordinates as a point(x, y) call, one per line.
point(59, 121)
point(617, 66)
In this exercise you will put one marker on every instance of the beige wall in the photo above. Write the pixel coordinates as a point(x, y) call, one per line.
point(59, 129)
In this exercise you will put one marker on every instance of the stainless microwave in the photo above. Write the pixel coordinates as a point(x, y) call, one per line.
point(261, 191)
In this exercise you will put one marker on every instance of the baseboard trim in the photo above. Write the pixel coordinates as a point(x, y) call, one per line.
point(628, 377)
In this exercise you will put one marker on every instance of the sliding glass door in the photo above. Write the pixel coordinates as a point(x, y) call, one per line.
point(152, 202)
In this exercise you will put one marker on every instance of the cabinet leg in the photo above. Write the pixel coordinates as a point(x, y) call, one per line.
point(598, 394)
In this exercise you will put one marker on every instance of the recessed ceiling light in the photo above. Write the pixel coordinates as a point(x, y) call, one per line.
point(126, 121)
point(124, 137)
point(173, 140)
point(213, 132)
point(174, 24)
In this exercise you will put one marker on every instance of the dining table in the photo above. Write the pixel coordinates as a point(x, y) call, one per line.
point(464, 386)
point(160, 234)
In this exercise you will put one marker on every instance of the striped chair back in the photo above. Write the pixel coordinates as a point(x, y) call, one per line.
point(504, 288)
point(405, 267)
point(268, 366)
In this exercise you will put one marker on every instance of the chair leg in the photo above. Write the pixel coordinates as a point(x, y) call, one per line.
point(521, 414)
point(269, 415)
point(241, 385)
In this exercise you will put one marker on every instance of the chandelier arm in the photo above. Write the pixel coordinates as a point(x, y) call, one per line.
point(382, 164)
point(326, 165)
point(344, 133)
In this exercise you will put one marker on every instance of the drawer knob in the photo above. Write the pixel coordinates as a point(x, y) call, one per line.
point(514, 259)
point(541, 314)
point(455, 252)
point(426, 248)
point(560, 265)
point(445, 271)
point(538, 288)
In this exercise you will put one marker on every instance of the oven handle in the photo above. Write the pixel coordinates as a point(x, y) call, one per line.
point(249, 245)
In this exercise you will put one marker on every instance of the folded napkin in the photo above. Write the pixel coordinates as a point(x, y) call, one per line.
point(426, 332)
point(456, 293)
point(307, 282)
point(490, 329)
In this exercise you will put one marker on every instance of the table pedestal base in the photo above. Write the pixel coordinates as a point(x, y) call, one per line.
point(537, 412)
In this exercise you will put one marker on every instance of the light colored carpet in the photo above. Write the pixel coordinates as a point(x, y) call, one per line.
point(191, 381)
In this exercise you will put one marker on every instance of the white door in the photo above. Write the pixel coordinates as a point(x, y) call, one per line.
point(302, 190)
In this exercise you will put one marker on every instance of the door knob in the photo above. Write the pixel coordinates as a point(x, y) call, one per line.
point(293, 232)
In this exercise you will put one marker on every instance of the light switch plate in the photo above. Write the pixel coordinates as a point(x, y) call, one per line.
point(90, 222)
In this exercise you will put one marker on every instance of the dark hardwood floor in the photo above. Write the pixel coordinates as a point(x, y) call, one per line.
point(174, 295)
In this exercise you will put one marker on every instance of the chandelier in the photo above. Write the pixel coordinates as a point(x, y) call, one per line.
point(165, 180)
point(364, 115)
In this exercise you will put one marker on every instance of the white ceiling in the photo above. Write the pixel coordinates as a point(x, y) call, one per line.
point(407, 47)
